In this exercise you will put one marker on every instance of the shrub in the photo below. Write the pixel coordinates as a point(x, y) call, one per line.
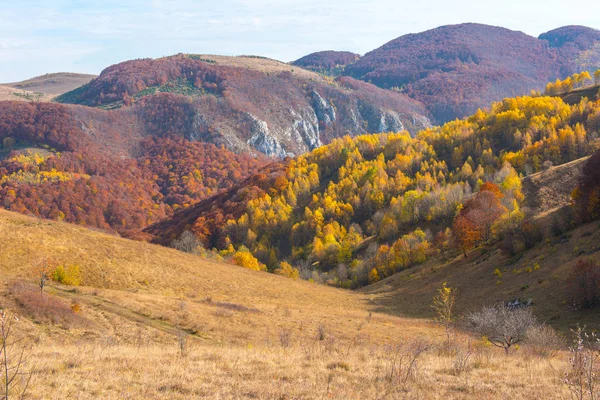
point(543, 341)
point(530, 234)
point(69, 275)
point(245, 259)
point(584, 284)
point(46, 308)
point(285, 269)
point(373, 276)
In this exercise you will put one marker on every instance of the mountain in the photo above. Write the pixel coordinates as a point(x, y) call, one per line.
point(455, 69)
point(327, 62)
point(578, 48)
point(52, 84)
point(250, 103)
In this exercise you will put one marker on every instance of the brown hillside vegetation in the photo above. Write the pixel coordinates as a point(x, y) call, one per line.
point(173, 326)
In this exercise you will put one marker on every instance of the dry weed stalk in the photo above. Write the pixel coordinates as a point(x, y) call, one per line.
point(13, 356)
point(584, 375)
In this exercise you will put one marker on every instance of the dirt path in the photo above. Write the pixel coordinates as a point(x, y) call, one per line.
point(104, 305)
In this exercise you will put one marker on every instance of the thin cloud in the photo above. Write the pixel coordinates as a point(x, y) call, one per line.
point(92, 35)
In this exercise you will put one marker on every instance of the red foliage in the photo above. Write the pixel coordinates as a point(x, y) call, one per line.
point(474, 222)
point(190, 171)
point(584, 284)
point(115, 179)
point(456, 69)
point(206, 218)
point(45, 123)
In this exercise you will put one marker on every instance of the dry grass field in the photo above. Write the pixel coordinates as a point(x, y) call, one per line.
point(262, 64)
point(151, 322)
point(52, 84)
point(9, 93)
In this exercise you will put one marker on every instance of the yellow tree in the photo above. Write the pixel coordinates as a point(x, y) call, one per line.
point(443, 305)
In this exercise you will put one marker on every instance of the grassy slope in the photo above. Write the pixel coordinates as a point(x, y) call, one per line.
point(9, 93)
point(137, 297)
point(154, 281)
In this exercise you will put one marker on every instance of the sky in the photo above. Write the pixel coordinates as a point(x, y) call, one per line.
point(42, 36)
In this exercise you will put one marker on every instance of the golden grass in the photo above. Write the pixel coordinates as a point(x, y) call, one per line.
point(249, 334)
point(308, 370)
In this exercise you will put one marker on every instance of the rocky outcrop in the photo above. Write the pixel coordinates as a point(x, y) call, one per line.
point(324, 111)
point(263, 141)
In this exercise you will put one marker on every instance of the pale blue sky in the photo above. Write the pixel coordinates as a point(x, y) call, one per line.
point(39, 36)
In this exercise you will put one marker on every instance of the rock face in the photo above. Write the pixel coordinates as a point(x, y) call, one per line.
point(249, 104)
point(263, 141)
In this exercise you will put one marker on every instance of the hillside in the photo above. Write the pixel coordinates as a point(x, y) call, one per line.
point(547, 191)
point(250, 103)
point(174, 325)
point(382, 202)
point(52, 84)
point(578, 47)
point(327, 62)
point(106, 169)
point(456, 69)
point(540, 274)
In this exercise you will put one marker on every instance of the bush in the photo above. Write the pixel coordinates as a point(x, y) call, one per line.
point(44, 308)
point(285, 269)
point(543, 341)
point(584, 284)
point(562, 221)
point(245, 259)
point(530, 234)
point(69, 275)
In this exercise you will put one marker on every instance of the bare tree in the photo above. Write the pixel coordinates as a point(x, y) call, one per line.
point(182, 337)
point(501, 325)
point(42, 282)
point(42, 267)
point(13, 356)
point(188, 243)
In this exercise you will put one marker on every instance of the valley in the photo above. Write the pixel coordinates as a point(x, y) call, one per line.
point(418, 222)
